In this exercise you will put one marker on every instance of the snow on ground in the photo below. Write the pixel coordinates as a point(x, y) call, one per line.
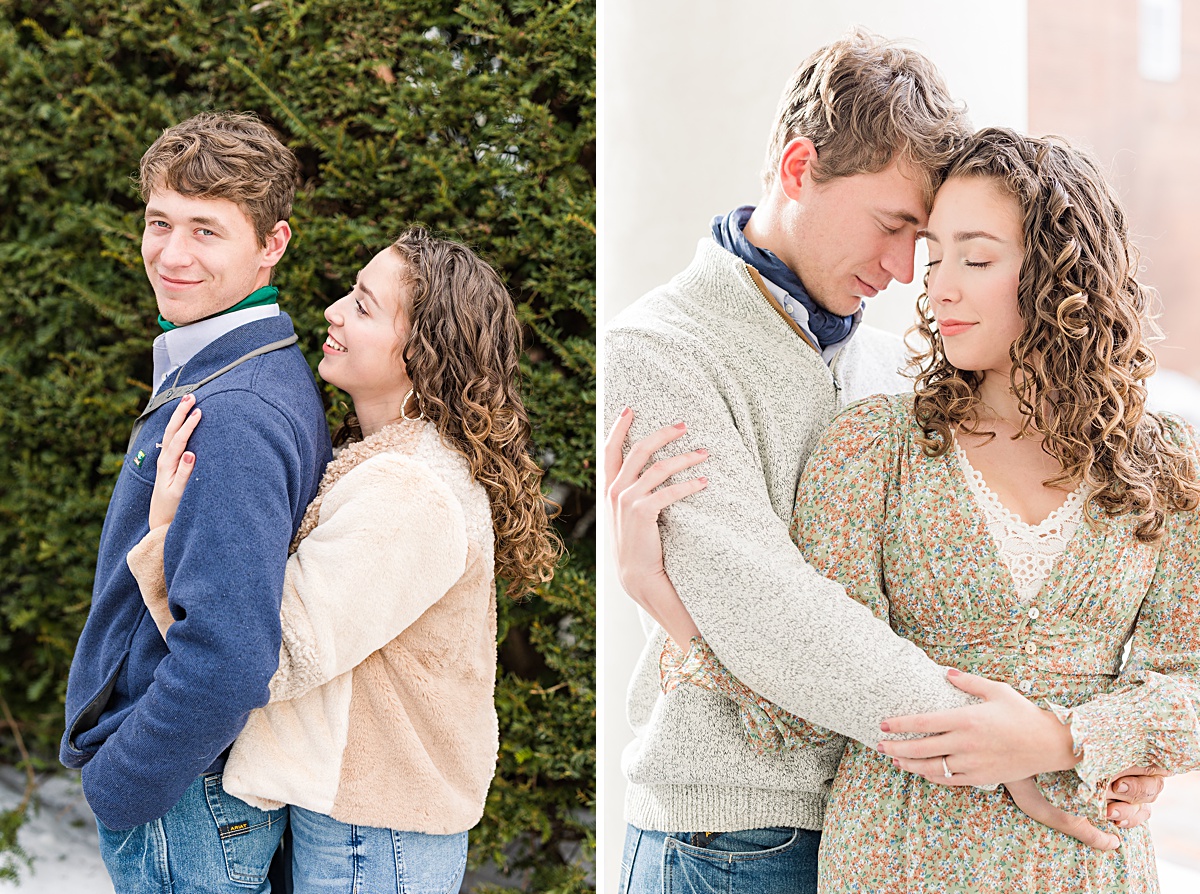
point(59, 834)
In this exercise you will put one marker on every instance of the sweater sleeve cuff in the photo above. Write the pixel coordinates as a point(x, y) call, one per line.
point(145, 561)
point(768, 729)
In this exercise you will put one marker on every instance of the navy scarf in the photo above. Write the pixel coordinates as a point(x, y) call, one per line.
point(827, 328)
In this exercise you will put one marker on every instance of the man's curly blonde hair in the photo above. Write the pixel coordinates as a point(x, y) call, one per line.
point(866, 102)
point(224, 155)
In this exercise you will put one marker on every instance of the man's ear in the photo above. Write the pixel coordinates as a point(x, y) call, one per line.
point(277, 243)
point(799, 157)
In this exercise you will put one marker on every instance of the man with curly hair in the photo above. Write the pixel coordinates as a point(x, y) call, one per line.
point(150, 722)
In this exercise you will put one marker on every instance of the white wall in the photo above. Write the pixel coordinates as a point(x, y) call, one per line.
point(687, 92)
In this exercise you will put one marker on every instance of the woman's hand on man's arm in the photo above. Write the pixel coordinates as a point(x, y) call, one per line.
point(635, 505)
point(1006, 738)
point(1002, 738)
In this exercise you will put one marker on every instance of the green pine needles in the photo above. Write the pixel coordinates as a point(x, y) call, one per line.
point(475, 118)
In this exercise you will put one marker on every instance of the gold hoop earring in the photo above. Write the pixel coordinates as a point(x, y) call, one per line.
point(404, 405)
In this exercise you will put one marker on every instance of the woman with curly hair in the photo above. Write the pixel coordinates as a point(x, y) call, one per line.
point(381, 733)
point(1023, 518)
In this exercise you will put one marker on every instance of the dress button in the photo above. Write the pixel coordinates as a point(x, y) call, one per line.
point(1083, 791)
point(1033, 614)
point(1030, 649)
point(1025, 686)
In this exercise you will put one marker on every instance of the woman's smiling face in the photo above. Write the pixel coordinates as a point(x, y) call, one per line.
point(368, 328)
point(976, 246)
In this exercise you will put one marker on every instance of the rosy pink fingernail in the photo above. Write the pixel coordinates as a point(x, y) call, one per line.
point(884, 726)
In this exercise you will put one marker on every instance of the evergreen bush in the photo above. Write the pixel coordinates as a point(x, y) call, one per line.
point(475, 118)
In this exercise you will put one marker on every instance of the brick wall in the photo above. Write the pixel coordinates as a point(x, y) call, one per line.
point(1084, 84)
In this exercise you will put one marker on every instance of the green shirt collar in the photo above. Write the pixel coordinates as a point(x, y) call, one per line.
point(257, 298)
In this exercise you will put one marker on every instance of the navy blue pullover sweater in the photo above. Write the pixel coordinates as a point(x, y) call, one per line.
point(145, 718)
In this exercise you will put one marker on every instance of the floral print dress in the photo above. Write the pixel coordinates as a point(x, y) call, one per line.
point(907, 536)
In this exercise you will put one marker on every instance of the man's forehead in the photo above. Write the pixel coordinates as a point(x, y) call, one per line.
point(210, 209)
point(900, 192)
point(916, 217)
point(922, 183)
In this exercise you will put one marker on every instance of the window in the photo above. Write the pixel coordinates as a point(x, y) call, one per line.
point(1159, 39)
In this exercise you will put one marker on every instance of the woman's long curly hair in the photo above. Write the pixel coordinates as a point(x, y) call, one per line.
point(462, 355)
point(1079, 368)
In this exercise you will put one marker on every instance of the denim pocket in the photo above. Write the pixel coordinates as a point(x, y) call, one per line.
point(249, 836)
point(781, 860)
point(747, 844)
point(633, 837)
point(136, 859)
point(430, 864)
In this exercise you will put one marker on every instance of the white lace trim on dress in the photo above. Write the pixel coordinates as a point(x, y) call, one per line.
point(1028, 551)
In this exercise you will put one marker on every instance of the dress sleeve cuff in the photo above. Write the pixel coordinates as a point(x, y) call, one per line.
point(145, 561)
point(768, 728)
point(1114, 732)
point(1097, 744)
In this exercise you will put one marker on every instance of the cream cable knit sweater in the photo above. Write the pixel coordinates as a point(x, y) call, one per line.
point(710, 348)
point(382, 709)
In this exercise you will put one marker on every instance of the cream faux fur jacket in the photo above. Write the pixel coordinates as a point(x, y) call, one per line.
point(382, 710)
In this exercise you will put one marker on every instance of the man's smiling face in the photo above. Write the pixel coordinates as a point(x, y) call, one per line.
point(202, 256)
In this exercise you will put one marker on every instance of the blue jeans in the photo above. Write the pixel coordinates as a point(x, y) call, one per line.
point(755, 861)
point(208, 842)
point(338, 858)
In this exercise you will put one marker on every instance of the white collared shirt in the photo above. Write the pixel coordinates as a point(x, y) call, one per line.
point(799, 313)
point(176, 347)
